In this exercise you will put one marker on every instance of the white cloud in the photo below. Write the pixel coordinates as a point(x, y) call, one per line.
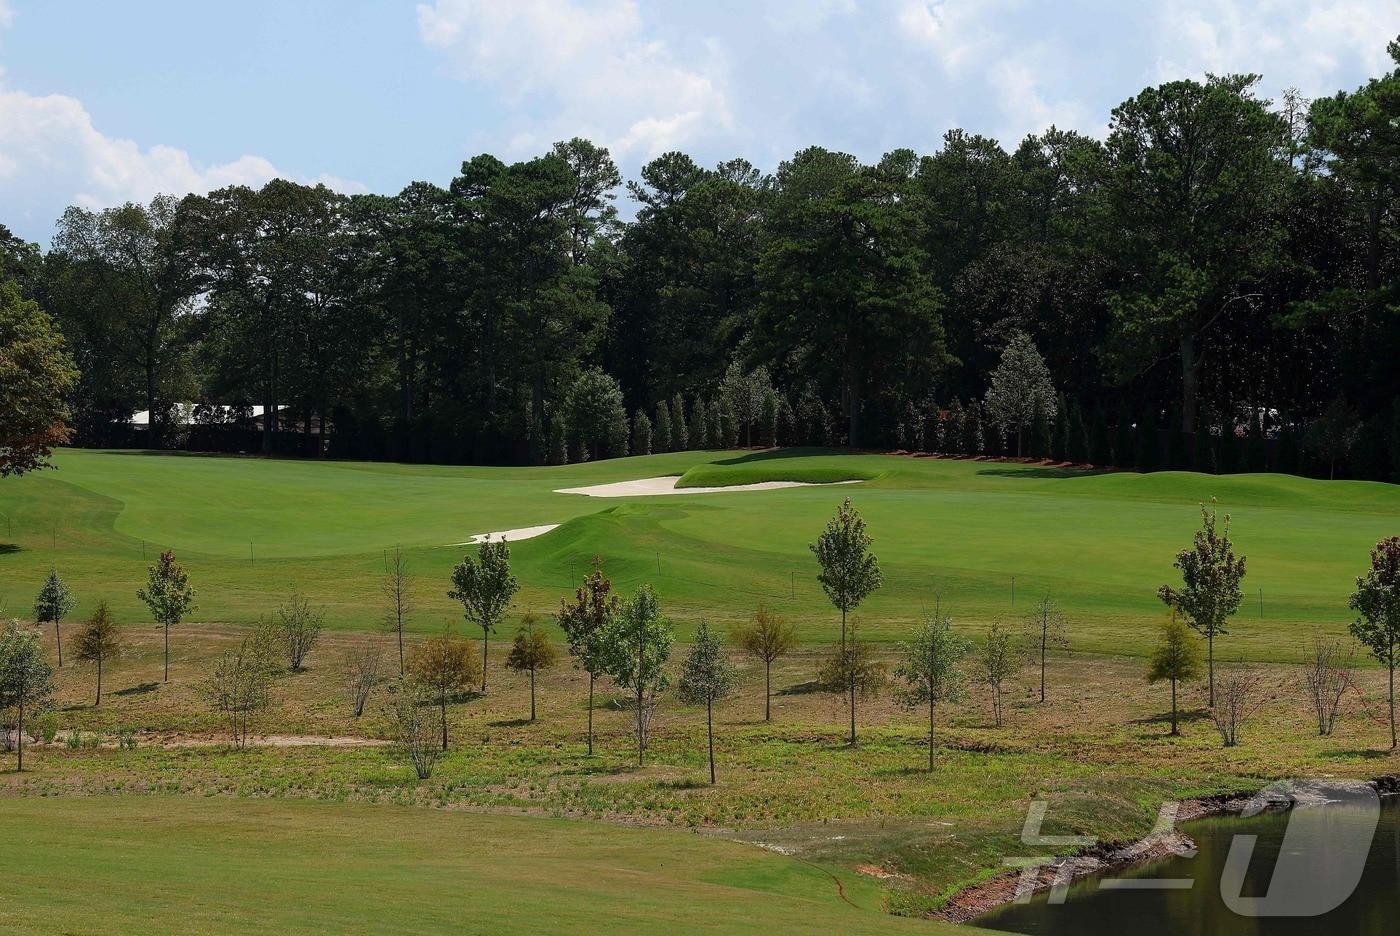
point(1291, 43)
point(51, 140)
point(573, 67)
point(53, 155)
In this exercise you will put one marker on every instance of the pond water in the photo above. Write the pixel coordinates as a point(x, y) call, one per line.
point(1299, 866)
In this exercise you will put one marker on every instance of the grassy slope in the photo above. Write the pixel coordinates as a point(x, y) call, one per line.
point(1100, 543)
point(161, 865)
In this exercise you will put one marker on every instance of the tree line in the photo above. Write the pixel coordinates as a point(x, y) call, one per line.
point(629, 642)
point(1218, 262)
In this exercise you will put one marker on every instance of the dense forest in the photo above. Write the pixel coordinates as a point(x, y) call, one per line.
point(1215, 284)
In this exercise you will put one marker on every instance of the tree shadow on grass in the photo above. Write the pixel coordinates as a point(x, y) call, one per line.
point(510, 723)
point(1040, 472)
point(141, 689)
point(809, 687)
point(771, 454)
point(1183, 716)
point(1364, 754)
point(691, 783)
point(9, 548)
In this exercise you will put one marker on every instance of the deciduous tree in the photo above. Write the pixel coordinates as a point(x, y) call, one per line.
point(640, 641)
point(768, 636)
point(1376, 602)
point(169, 597)
point(37, 374)
point(585, 624)
point(706, 677)
point(531, 652)
point(99, 641)
point(26, 678)
point(485, 587)
point(443, 668)
point(849, 572)
point(1211, 575)
point(928, 671)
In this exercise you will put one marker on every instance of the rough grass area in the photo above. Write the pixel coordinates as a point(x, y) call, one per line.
point(248, 528)
point(1098, 752)
point(172, 865)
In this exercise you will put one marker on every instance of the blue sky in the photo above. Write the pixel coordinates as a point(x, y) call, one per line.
point(103, 102)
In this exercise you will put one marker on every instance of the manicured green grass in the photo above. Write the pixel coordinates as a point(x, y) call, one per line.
point(1100, 543)
point(168, 865)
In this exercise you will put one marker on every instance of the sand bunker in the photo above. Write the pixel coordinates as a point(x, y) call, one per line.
point(649, 487)
point(513, 536)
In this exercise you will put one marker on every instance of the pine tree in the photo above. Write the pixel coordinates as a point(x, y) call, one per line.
point(1202, 449)
point(715, 428)
point(1059, 435)
point(1100, 451)
point(766, 434)
point(700, 425)
point(641, 434)
point(1124, 453)
point(974, 442)
point(661, 432)
point(680, 439)
point(1040, 442)
point(53, 602)
point(955, 429)
point(1148, 456)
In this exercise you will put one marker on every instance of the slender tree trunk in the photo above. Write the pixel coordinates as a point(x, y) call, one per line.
point(641, 746)
point(484, 646)
point(1174, 727)
point(167, 653)
point(1392, 698)
point(1210, 665)
point(19, 737)
point(442, 701)
point(767, 690)
point(401, 662)
point(58, 637)
point(590, 714)
point(1043, 638)
point(852, 681)
point(710, 727)
point(532, 693)
point(99, 681)
point(930, 732)
point(1190, 368)
point(843, 628)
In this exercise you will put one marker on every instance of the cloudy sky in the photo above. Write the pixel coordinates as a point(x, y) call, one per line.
point(102, 102)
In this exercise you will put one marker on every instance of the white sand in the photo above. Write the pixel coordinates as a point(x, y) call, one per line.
point(648, 487)
point(513, 536)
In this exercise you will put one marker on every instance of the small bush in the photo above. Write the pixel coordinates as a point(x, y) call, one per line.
point(75, 740)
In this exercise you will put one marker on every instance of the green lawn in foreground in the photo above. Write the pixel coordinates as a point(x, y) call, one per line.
point(1101, 543)
point(167, 865)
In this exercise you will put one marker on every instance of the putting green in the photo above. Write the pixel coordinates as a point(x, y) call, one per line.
point(1100, 543)
point(165, 865)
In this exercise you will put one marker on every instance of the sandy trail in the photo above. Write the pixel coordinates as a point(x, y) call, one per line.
point(650, 487)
